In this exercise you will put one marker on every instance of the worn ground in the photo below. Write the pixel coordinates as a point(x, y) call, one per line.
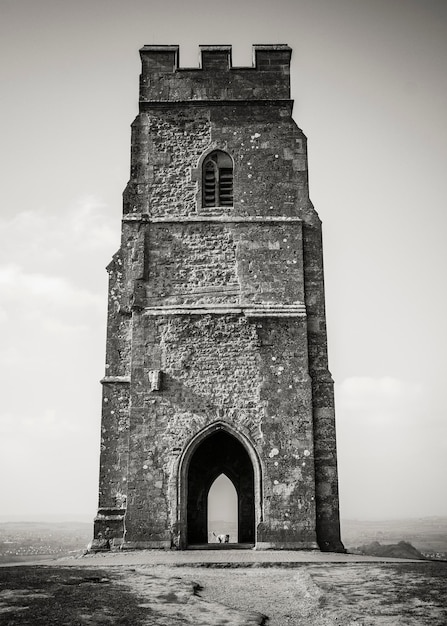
point(314, 590)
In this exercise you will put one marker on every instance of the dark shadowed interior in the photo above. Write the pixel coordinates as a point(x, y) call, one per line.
point(220, 453)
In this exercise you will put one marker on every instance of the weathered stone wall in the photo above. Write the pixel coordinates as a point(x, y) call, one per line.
point(166, 146)
point(116, 393)
point(251, 374)
point(231, 262)
point(267, 147)
point(326, 475)
point(114, 445)
point(216, 314)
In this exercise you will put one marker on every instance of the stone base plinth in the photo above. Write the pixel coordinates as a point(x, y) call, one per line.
point(146, 545)
point(292, 545)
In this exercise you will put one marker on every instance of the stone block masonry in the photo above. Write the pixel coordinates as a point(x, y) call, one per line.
point(216, 346)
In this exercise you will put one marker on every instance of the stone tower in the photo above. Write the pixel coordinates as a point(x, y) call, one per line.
point(216, 344)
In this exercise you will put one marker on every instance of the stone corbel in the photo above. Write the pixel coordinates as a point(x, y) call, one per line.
point(155, 380)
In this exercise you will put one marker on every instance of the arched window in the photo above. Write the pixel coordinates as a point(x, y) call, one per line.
point(217, 180)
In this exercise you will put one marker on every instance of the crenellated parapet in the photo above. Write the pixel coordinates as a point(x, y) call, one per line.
point(162, 80)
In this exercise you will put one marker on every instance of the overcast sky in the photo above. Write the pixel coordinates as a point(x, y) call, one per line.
point(370, 90)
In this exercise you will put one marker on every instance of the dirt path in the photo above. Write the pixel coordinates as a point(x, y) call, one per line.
point(398, 594)
point(52, 595)
point(320, 594)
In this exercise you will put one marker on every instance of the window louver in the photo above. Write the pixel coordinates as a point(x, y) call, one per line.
point(226, 187)
point(210, 184)
point(217, 180)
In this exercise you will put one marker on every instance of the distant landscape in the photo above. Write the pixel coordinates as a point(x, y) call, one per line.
point(26, 541)
point(220, 527)
point(427, 534)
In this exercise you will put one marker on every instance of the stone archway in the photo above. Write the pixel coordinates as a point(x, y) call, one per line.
point(216, 452)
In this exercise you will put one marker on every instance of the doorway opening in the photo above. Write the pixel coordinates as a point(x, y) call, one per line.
point(222, 511)
point(216, 454)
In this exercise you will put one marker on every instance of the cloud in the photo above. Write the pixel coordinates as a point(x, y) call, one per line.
point(52, 324)
point(50, 303)
point(86, 224)
point(75, 243)
point(52, 266)
point(91, 225)
point(53, 290)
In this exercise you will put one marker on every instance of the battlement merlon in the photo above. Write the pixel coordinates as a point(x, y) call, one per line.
point(163, 81)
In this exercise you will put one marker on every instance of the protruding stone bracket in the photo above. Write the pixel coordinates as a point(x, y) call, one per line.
point(155, 377)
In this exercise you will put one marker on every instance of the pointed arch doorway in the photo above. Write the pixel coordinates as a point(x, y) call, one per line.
point(214, 452)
